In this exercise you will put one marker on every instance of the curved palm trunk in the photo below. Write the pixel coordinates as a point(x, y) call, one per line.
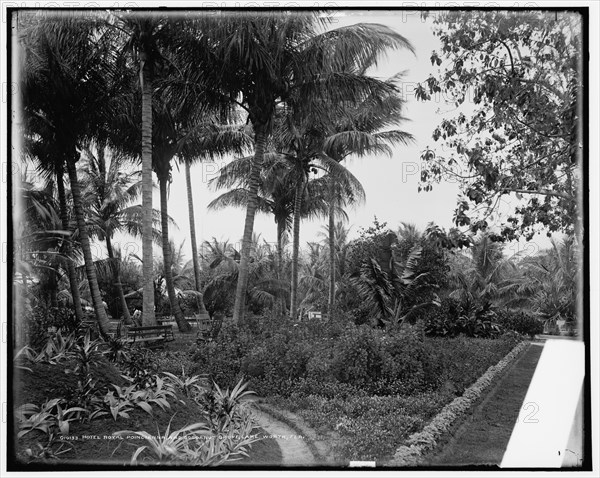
point(148, 317)
point(331, 298)
point(84, 239)
point(296, 249)
point(188, 182)
point(118, 284)
point(182, 324)
point(242, 284)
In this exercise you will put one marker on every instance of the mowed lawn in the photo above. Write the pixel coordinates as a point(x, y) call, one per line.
point(483, 437)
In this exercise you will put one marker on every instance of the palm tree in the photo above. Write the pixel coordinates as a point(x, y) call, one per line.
point(40, 239)
point(260, 60)
point(70, 266)
point(389, 294)
point(181, 130)
point(481, 281)
point(346, 182)
point(362, 131)
point(42, 153)
point(144, 37)
point(150, 38)
point(109, 193)
point(550, 279)
point(312, 280)
point(165, 145)
point(409, 233)
point(195, 258)
point(222, 262)
point(302, 142)
point(64, 72)
point(336, 239)
point(210, 142)
point(276, 194)
point(170, 116)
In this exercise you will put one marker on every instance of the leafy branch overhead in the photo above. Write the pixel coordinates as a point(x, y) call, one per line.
point(515, 80)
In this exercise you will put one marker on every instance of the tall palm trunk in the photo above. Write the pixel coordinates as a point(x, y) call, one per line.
point(242, 284)
point(296, 248)
point(280, 299)
point(280, 232)
point(332, 198)
point(148, 317)
point(188, 182)
point(182, 324)
point(118, 284)
point(84, 239)
point(64, 219)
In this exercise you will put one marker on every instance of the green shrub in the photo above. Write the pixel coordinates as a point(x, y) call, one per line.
point(172, 362)
point(442, 321)
point(408, 367)
point(222, 358)
point(141, 367)
point(453, 318)
point(328, 389)
point(319, 365)
point(357, 356)
point(40, 319)
point(520, 322)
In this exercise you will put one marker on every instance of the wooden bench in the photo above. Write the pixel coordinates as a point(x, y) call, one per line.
point(198, 319)
point(164, 319)
point(155, 334)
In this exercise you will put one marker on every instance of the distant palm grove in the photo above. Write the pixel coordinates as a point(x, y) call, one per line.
point(112, 102)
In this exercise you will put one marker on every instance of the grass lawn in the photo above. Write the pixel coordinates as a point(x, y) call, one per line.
point(483, 436)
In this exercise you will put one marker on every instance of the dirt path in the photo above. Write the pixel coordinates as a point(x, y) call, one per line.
point(483, 436)
point(294, 449)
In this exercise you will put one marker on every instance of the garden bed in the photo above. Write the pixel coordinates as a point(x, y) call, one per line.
point(74, 408)
point(365, 427)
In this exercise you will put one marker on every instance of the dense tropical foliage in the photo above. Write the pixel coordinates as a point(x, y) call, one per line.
point(367, 330)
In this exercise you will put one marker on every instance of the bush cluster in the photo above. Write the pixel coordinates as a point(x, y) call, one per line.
point(454, 318)
point(39, 319)
point(521, 322)
point(342, 359)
